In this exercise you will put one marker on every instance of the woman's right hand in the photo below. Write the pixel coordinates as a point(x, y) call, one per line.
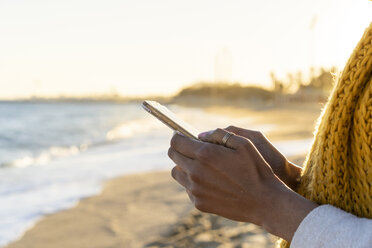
point(288, 172)
point(231, 178)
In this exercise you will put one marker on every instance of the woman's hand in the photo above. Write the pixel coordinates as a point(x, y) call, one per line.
point(288, 172)
point(236, 182)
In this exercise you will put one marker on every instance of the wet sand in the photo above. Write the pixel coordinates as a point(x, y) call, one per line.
point(130, 212)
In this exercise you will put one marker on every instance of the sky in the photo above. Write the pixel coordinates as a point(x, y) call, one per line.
point(148, 47)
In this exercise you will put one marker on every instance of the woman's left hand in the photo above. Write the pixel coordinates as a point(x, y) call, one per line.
point(232, 181)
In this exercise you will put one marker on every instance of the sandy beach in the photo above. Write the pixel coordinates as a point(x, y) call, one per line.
point(130, 212)
point(152, 210)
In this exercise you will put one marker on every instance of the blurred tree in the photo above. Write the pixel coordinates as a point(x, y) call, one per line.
point(277, 84)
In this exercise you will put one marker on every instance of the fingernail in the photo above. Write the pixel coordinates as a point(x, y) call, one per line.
point(203, 134)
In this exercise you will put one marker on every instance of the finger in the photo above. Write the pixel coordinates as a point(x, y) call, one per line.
point(182, 161)
point(203, 134)
point(234, 141)
point(180, 176)
point(232, 129)
point(237, 130)
point(196, 173)
point(185, 145)
point(254, 136)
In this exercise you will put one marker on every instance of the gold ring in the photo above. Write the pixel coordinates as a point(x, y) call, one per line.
point(226, 137)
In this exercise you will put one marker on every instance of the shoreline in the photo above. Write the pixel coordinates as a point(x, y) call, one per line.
point(120, 216)
point(154, 203)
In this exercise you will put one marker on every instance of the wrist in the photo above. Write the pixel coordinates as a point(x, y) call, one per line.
point(286, 212)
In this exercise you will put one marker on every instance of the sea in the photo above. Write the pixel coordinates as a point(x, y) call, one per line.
point(52, 154)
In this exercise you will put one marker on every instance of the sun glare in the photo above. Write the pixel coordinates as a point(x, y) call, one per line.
point(124, 48)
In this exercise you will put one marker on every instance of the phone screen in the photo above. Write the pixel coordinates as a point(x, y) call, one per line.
point(170, 119)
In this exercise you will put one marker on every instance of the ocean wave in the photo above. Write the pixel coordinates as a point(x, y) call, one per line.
point(131, 128)
point(45, 156)
point(123, 131)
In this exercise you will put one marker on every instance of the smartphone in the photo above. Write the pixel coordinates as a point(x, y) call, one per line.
point(170, 119)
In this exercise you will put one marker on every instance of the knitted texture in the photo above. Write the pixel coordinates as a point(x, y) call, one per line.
point(338, 168)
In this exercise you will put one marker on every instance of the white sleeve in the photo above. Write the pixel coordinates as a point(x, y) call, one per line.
point(327, 226)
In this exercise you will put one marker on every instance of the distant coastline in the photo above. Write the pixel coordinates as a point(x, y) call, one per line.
point(293, 89)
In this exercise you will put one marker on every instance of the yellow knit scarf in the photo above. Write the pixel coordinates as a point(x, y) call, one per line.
point(338, 169)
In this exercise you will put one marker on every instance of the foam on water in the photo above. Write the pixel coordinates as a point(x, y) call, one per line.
point(29, 193)
point(45, 156)
point(133, 127)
